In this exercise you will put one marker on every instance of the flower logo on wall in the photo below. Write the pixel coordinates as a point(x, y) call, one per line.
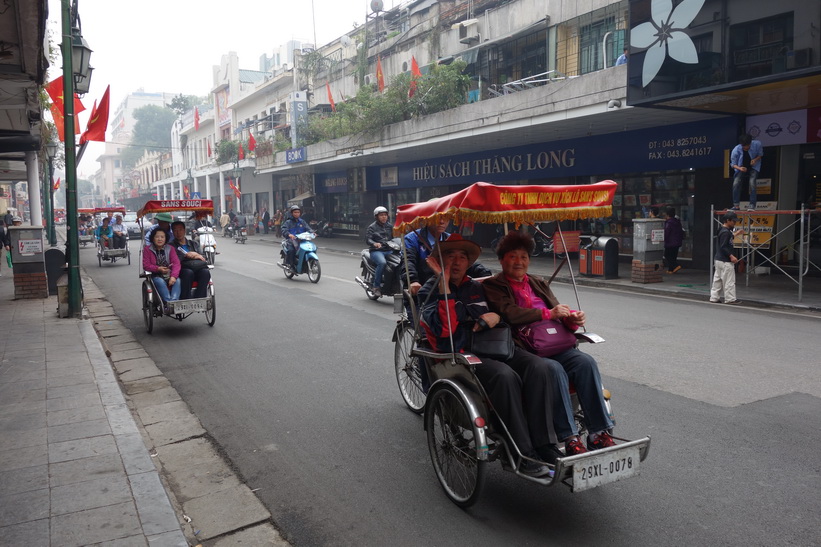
point(664, 35)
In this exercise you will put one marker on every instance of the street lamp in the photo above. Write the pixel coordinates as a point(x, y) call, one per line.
point(80, 57)
point(51, 153)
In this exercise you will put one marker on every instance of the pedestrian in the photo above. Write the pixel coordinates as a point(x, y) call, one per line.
point(278, 221)
point(7, 219)
point(673, 238)
point(5, 243)
point(266, 219)
point(224, 220)
point(622, 60)
point(654, 212)
point(724, 276)
point(746, 161)
point(256, 221)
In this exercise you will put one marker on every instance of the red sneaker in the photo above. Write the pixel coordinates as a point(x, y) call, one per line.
point(599, 441)
point(573, 447)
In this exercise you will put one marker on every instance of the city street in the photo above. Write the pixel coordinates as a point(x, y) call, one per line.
point(295, 383)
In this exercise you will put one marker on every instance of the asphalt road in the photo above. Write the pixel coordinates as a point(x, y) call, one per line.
point(295, 382)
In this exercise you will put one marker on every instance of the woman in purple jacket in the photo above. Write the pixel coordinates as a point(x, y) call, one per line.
point(673, 238)
point(161, 260)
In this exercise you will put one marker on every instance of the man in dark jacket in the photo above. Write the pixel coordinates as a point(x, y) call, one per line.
point(724, 276)
point(5, 241)
point(290, 229)
point(266, 218)
point(673, 238)
point(379, 233)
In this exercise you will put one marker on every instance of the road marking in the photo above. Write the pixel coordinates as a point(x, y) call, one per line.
point(261, 262)
point(339, 279)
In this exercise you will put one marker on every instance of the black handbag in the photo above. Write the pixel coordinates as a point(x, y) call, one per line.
point(194, 264)
point(495, 343)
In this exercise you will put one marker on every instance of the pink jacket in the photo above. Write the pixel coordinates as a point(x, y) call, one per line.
point(150, 259)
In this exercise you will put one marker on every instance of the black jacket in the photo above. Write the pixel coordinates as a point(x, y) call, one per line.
point(378, 233)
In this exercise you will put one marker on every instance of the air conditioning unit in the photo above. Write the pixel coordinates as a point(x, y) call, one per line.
point(468, 31)
point(370, 79)
point(800, 58)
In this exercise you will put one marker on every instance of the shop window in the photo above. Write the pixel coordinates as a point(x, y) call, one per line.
point(761, 48)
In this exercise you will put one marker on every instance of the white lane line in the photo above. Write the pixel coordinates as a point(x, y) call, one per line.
point(261, 262)
point(338, 279)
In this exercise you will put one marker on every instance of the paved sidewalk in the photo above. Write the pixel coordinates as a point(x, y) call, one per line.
point(74, 469)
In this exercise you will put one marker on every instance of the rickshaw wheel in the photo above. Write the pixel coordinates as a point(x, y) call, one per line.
point(314, 270)
point(148, 309)
point(128, 254)
point(407, 367)
point(452, 445)
point(211, 315)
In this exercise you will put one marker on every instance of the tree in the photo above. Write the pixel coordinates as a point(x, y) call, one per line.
point(152, 131)
point(183, 103)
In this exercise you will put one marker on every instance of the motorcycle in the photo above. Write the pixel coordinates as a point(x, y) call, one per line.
point(306, 259)
point(323, 228)
point(391, 278)
point(240, 234)
point(228, 231)
point(208, 243)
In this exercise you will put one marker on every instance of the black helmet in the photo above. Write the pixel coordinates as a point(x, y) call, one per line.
point(295, 208)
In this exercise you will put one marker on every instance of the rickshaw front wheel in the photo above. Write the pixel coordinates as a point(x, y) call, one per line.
point(452, 446)
point(211, 313)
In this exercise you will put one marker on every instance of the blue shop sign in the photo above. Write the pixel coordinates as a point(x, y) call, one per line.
point(692, 145)
point(296, 155)
point(329, 183)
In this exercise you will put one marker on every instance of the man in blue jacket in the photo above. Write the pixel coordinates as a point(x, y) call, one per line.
point(292, 228)
point(746, 161)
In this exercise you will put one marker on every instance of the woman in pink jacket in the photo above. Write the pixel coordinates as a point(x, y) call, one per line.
point(161, 260)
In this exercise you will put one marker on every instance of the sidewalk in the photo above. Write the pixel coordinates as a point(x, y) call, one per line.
point(97, 447)
point(763, 291)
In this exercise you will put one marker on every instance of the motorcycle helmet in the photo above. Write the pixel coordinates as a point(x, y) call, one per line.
point(295, 208)
point(378, 210)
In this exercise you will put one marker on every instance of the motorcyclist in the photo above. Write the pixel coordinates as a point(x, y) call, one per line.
point(292, 227)
point(378, 235)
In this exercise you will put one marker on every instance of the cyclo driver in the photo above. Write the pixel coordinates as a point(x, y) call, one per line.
point(292, 227)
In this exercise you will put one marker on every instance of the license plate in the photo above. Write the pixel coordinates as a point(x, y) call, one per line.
point(599, 469)
point(184, 306)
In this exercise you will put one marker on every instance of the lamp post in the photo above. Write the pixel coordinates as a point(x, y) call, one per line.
point(48, 195)
point(72, 46)
point(237, 172)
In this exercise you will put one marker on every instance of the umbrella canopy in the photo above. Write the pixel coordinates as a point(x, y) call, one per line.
point(494, 204)
point(202, 207)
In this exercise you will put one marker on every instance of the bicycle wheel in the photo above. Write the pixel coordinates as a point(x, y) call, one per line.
point(452, 445)
point(408, 372)
point(211, 314)
point(148, 309)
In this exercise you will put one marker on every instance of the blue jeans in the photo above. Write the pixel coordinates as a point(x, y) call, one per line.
point(163, 290)
point(581, 369)
point(380, 260)
point(737, 182)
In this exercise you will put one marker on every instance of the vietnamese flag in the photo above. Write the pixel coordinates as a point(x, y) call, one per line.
point(57, 184)
point(415, 73)
point(330, 96)
point(196, 119)
point(252, 144)
point(241, 152)
point(380, 76)
point(55, 92)
point(98, 122)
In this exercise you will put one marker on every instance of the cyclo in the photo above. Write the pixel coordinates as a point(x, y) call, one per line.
point(152, 304)
point(110, 253)
point(463, 431)
point(86, 234)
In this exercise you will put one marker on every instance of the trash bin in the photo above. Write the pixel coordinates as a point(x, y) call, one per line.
point(55, 267)
point(600, 258)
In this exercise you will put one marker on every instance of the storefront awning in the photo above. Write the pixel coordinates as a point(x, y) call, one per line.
point(300, 198)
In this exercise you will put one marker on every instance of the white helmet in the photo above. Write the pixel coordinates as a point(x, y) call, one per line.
point(379, 210)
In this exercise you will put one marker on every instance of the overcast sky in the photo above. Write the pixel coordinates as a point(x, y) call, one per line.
point(172, 45)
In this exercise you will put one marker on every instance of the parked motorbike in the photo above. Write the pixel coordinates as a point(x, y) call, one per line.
point(208, 243)
point(306, 259)
point(228, 231)
point(391, 278)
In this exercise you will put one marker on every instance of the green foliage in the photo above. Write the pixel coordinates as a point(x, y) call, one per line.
point(152, 131)
point(183, 103)
point(445, 87)
point(227, 151)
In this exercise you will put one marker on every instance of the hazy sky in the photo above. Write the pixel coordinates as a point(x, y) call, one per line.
point(171, 45)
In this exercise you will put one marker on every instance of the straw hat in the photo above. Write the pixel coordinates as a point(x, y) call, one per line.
point(456, 242)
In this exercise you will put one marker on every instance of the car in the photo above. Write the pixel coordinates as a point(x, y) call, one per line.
point(131, 225)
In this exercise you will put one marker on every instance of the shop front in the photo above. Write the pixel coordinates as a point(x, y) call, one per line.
point(681, 166)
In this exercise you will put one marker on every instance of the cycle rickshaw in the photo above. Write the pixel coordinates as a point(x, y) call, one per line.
point(86, 235)
point(463, 432)
point(110, 253)
point(152, 304)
